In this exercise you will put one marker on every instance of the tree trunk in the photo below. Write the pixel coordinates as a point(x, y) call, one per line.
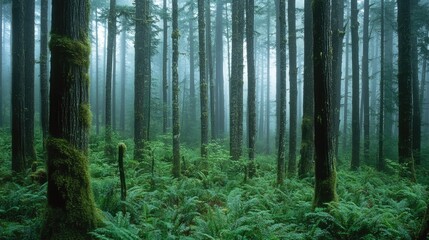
point(209, 71)
point(193, 107)
point(44, 87)
point(325, 172)
point(307, 127)
point(416, 88)
point(203, 82)
point(29, 18)
point(365, 80)
point(1, 64)
point(164, 69)
point(71, 211)
point(293, 87)
point(19, 162)
point(281, 50)
point(123, 74)
point(142, 73)
point(176, 126)
point(267, 101)
point(114, 87)
point(251, 92)
point(346, 96)
point(337, 22)
point(389, 83)
point(236, 82)
point(405, 143)
point(355, 88)
point(109, 149)
point(97, 78)
point(220, 109)
point(381, 162)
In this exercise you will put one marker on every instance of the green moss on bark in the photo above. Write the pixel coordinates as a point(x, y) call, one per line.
point(85, 115)
point(71, 212)
point(326, 191)
point(76, 51)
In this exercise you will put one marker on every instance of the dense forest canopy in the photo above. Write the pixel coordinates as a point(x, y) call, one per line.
point(214, 119)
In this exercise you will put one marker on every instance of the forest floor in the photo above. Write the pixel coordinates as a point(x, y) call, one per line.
point(219, 204)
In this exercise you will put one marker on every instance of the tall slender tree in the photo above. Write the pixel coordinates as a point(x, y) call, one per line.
point(267, 101)
point(203, 81)
point(44, 88)
point(164, 68)
point(307, 126)
point(123, 73)
point(109, 148)
point(293, 82)
point(193, 107)
point(251, 92)
point(209, 70)
point(281, 51)
point(97, 78)
point(220, 108)
point(176, 126)
point(355, 86)
point(325, 172)
point(236, 81)
point(142, 73)
point(381, 161)
point(19, 162)
point(405, 143)
point(416, 87)
point(365, 79)
point(1, 65)
point(71, 212)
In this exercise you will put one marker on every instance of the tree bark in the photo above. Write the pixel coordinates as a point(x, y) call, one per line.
point(267, 101)
point(281, 44)
point(164, 69)
point(416, 88)
point(236, 81)
point(355, 87)
point(97, 78)
point(365, 79)
point(251, 92)
point(71, 211)
point(293, 87)
point(203, 81)
point(307, 126)
point(123, 74)
point(405, 143)
point(109, 149)
point(176, 126)
point(193, 107)
point(19, 162)
point(209, 71)
point(1, 65)
point(381, 162)
point(44, 86)
point(220, 103)
point(325, 172)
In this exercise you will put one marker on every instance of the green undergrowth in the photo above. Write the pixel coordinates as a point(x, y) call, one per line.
point(218, 204)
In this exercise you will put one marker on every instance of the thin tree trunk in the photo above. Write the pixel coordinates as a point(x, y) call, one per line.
point(97, 78)
point(114, 85)
point(164, 70)
point(193, 107)
point(109, 148)
point(346, 95)
point(44, 104)
point(293, 87)
point(209, 71)
point(1, 64)
point(281, 50)
point(416, 88)
point(365, 79)
point(389, 84)
point(176, 126)
point(236, 81)
point(220, 109)
point(307, 126)
point(123, 73)
point(203, 81)
point(267, 101)
point(251, 92)
point(355, 88)
point(19, 163)
point(29, 18)
point(381, 162)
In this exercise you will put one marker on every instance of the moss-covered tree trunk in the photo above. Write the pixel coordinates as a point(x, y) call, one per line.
point(293, 87)
point(203, 81)
point(325, 172)
point(281, 102)
point(44, 87)
point(251, 81)
point(405, 90)
point(71, 211)
point(220, 108)
point(176, 123)
point(142, 73)
point(18, 88)
point(355, 86)
point(111, 37)
point(416, 84)
point(236, 81)
point(307, 127)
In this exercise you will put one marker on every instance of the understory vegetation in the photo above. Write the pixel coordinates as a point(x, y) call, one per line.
point(218, 204)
